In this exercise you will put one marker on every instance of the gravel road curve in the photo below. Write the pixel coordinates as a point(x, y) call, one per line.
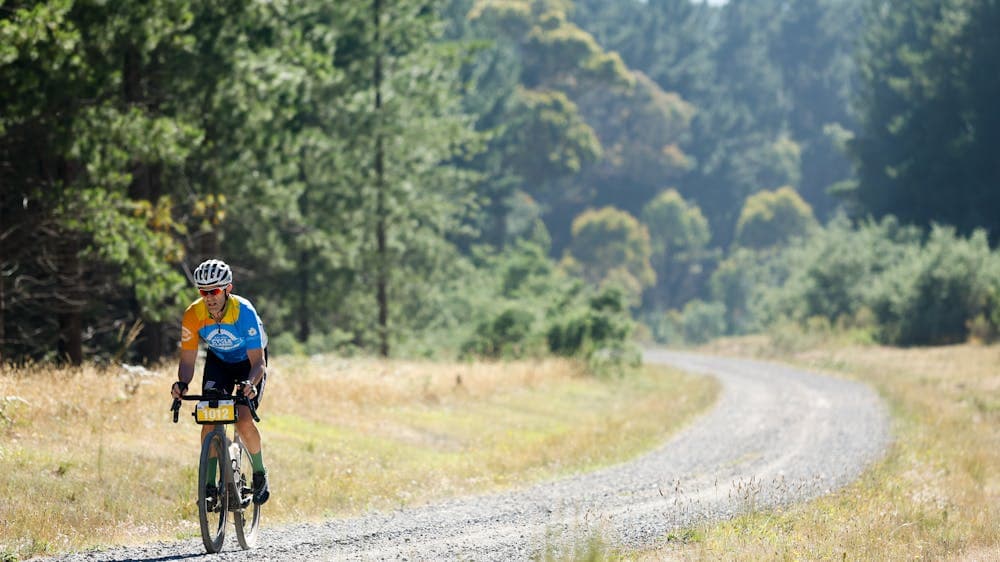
point(777, 435)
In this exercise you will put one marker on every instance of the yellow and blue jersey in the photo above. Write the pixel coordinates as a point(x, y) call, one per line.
point(229, 337)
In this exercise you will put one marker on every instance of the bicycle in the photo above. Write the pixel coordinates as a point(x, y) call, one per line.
point(235, 484)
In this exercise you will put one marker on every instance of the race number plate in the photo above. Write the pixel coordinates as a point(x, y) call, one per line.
point(215, 411)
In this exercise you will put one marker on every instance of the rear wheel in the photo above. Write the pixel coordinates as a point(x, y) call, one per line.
point(247, 513)
point(213, 512)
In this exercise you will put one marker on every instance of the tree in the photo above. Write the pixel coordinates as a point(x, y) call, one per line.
point(611, 246)
point(679, 235)
point(87, 141)
point(928, 128)
point(540, 136)
point(814, 49)
point(769, 81)
point(773, 218)
point(415, 193)
point(671, 41)
point(641, 129)
point(139, 138)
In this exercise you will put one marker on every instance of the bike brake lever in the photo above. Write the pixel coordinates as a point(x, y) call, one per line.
point(249, 404)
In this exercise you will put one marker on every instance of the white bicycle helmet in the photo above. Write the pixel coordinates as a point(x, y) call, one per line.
point(213, 273)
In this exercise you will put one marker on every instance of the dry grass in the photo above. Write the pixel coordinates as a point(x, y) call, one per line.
point(89, 457)
point(935, 496)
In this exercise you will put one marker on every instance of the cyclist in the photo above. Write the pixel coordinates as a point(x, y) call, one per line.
point(236, 354)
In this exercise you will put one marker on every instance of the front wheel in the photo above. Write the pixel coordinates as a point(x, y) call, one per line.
point(213, 511)
point(247, 513)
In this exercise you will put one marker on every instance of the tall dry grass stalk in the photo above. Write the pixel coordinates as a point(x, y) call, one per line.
point(89, 457)
point(936, 494)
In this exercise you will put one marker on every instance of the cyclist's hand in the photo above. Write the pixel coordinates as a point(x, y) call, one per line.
point(178, 389)
point(249, 390)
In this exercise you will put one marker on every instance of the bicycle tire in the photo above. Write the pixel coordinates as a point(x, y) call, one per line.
point(247, 516)
point(213, 521)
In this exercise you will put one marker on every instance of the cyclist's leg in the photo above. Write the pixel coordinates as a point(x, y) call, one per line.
point(214, 378)
point(245, 424)
point(250, 435)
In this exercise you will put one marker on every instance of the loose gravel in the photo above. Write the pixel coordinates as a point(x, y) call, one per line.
point(777, 436)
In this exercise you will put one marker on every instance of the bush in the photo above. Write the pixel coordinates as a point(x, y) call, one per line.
point(598, 332)
point(932, 296)
point(828, 274)
point(698, 323)
point(879, 280)
point(739, 283)
point(703, 321)
point(508, 334)
point(287, 343)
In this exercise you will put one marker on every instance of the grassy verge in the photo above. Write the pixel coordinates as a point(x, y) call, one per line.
point(89, 457)
point(936, 494)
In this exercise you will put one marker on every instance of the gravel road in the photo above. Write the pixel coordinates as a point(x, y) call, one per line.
point(776, 436)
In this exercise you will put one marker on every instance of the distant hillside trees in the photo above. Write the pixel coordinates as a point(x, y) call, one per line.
point(773, 218)
point(611, 247)
point(930, 125)
point(770, 83)
point(573, 127)
point(679, 237)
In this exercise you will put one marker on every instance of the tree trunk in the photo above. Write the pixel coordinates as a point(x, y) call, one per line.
point(146, 185)
point(3, 302)
point(72, 292)
point(71, 337)
point(303, 314)
point(380, 210)
point(209, 244)
point(498, 210)
point(73, 296)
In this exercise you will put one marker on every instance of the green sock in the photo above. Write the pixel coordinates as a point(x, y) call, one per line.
point(257, 460)
point(212, 472)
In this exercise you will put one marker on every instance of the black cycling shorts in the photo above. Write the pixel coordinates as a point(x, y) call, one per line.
point(222, 376)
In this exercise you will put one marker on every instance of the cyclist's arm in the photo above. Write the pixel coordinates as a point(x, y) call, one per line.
point(185, 368)
point(257, 365)
point(189, 349)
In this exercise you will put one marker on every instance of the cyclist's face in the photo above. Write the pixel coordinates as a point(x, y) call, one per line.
point(216, 299)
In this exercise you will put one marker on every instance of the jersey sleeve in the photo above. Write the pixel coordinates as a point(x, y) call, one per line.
point(189, 330)
point(253, 330)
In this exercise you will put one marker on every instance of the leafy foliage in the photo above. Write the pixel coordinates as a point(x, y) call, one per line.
point(927, 144)
point(679, 236)
point(138, 138)
point(882, 278)
point(598, 331)
point(773, 218)
point(932, 295)
point(611, 247)
point(521, 305)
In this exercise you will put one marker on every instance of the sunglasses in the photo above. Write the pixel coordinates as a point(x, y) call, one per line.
point(210, 292)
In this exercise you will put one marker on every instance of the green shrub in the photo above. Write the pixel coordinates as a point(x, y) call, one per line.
point(882, 280)
point(336, 341)
point(827, 275)
point(932, 296)
point(597, 331)
point(703, 321)
point(739, 283)
point(508, 334)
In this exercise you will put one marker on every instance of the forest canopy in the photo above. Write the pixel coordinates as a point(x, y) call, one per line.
point(497, 177)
